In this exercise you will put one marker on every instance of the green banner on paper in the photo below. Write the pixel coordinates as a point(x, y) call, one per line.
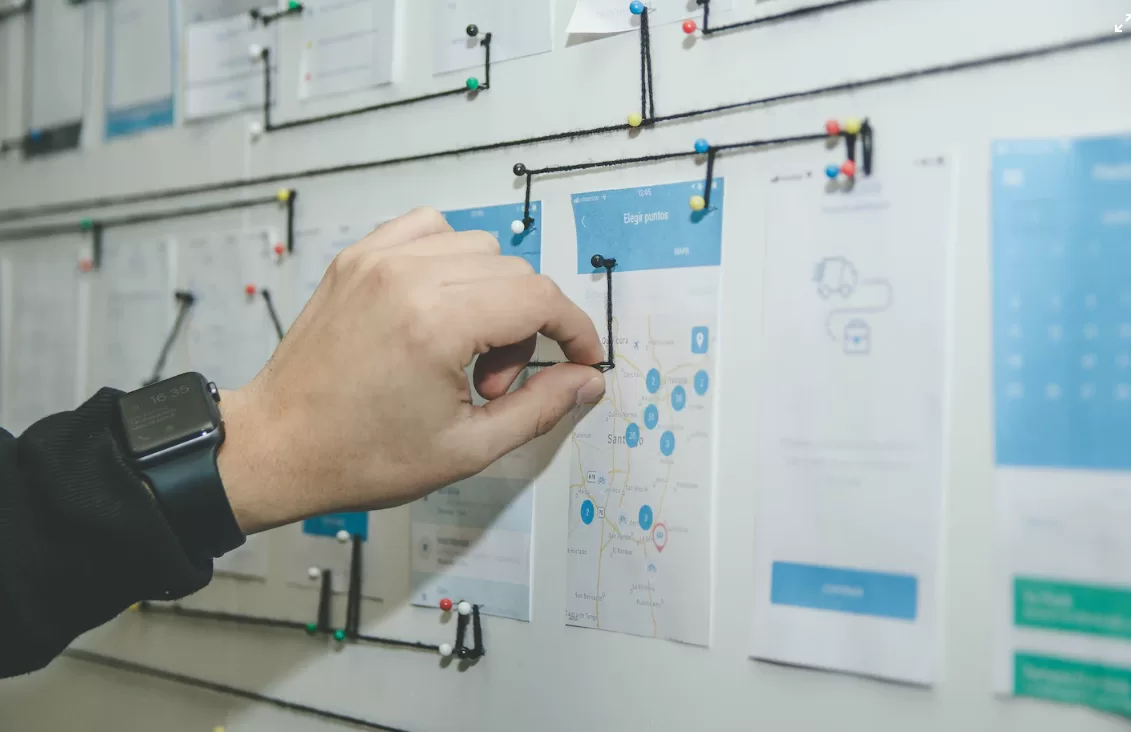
point(1107, 688)
point(1074, 608)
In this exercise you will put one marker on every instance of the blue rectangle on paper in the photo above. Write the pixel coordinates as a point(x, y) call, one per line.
point(1062, 302)
point(497, 220)
point(853, 591)
point(652, 227)
point(357, 524)
point(121, 122)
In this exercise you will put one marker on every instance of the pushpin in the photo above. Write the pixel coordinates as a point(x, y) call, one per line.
point(848, 168)
point(464, 608)
point(635, 119)
point(280, 250)
point(636, 7)
point(85, 265)
point(255, 130)
point(597, 261)
point(852, 126)
point(255, 51)
point(294, 5)
point(86, 224)
point(519, 170)
point(311, 628)
point(35, 134)
point(339, 635)
point(314, 573)
point(219, 729)
point(472, 83)
point(698, 203)
point(832, 171)
point(702, 146)
point(832, 127)
point(689, 26)
point(446, 605)
point(250, 289)
point(517, 227)
point(283, 195)
point(472, 30)
point(445, 649)
point(343, 536)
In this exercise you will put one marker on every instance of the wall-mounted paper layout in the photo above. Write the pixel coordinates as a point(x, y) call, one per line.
point(134, 309)
point(471, 540)
point(58, 66)
point(347, 46)
point(221, 77)
point(852, 423)
point(1062, 414)
point(44, 311)
point(604, 17)
point(641, 461)
point(520, 28)
point(141, 65)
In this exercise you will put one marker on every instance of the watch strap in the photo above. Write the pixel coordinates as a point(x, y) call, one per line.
point(192, 497)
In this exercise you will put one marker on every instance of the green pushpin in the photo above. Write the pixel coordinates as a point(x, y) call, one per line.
point(294, 5)
point(311, 628)
point(472, 83)
point(86, 224)
point(339, 635)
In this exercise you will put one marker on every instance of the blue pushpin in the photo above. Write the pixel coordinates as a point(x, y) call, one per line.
point(702, 146)
point(832, 171)
point(636, 7)
point(35, 134)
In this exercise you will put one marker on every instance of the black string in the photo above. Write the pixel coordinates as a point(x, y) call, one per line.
point(866, 143)
point(608, 263)
point(477, 633)
point(643, 64)
point(325, 598)
point(647, 35)
point(353, 596)
point(274, 315)
point(267, 18)
point(711, 152)
point(15, 214)
point(185, 300)
point(270, 126)
point(137, 668)
point(461, 632)
point(787, 15)
point(240, 619)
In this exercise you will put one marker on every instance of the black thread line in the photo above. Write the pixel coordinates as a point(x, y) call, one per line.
point(13, 10)
point(866, 143)
point(119, 664)
point(269, 18)
point(645, 30)
point(766, 19)
point(461, 632)
point(643, 70)
point(353, 596)
point(527, 221)
point(430, 647)
point(15, 214)
point(711, 153)
point(273, 313)
point(185, 301)
point(477, 633)
point(271, 126)
point(609, 264)
point(325, 597)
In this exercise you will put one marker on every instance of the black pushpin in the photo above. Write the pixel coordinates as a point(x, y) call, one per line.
point(472, 30)
point(598, 262)
point(519, 170)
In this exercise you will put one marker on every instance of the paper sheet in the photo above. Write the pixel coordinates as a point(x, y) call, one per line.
point(228, 333)
point(313, 544)
point(220, 75)
point(1062, 413)
point(141, 68)
point(520, 28)
point(348, 45)
point(135, 309)
point(641, 467)
point(496, 220)
point(604, 17)
point(44, 304)
point(851, 423)
point(58, 63)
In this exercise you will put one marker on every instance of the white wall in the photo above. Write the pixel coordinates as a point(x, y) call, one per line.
point(543, 675)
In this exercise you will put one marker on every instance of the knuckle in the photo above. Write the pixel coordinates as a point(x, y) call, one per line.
point(344, 262)
point(545, 288)
point(485, 242)
point(428, 216)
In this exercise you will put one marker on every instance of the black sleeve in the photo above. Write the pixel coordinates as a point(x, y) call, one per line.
point(81, 537)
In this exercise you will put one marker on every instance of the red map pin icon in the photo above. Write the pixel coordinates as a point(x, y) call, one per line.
point(660, 536)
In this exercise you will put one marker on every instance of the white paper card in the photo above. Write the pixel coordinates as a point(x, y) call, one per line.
point(141, 68)
point(58, 63)
point(347, 46)
point(221, 76)
point(519, 27)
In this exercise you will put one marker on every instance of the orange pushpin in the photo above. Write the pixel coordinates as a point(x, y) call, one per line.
point(250, 290)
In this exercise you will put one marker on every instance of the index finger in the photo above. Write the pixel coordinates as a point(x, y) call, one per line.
point(500, 312)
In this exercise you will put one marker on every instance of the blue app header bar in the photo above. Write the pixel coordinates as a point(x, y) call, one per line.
point(357, 524)
point(845, 590)
point(497, 220)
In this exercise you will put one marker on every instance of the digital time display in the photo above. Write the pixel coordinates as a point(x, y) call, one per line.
point(167, 413)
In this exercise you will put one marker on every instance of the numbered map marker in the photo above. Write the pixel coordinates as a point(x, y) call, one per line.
point(660, 537)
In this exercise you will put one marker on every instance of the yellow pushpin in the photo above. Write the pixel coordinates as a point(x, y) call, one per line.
point(283, 194)
point(635, 120)
point(698, 203)
point(852, 126)
point(219, 729)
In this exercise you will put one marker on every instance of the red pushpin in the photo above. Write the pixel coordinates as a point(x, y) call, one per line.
point(279, 249)
point(250, 290)
point(446, 605)
point(849, 169)
point(832, 127)
point(689, 26)
point(85, 265)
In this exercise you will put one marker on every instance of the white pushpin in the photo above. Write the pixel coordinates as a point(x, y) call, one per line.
point(517, 227)
point(446, 649)
point(343, 536)
point(464, 608)
point(255, 51)
point(255, 130)
point(314, 573)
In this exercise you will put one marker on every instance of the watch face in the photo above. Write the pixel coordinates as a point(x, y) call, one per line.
point(167, 414)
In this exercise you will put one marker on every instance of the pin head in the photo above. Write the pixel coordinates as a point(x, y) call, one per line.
point(255, 51)
point(517, 227)
point(832, 127)
point(636, 7)
point(702, 146)
point(698, 203)
point(848, 168)
point(280, 249)
point(635, 119)
point(339, 635)
point(597, 261)
point(314, 573)
point(311, 628)
point(85, 265)
point(343, 536)
point(472, 30)
point(250, 289)
point(519, 170)
point(464, 608)
point(832, 171)
point(446, 649)
point(472, 83)
point(852, 126)
point(689, 26)
point(283, 195)
point(446, 605)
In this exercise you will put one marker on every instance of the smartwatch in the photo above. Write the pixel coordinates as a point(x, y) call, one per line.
point(170, 432)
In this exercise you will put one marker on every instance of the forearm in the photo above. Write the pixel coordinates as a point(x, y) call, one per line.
point(81, 538)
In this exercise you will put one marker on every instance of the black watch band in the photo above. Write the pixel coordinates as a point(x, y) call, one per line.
point(192, 497)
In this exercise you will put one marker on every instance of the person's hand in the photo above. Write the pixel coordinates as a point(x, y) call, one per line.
point(366, 403)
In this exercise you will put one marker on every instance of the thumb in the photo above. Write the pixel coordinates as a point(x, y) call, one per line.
point(534, 409)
